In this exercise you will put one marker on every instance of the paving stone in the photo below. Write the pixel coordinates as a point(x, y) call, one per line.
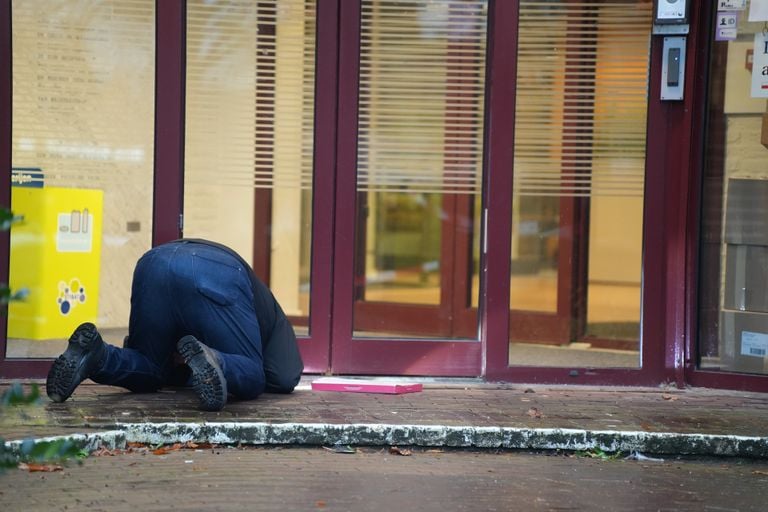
point(316, 479)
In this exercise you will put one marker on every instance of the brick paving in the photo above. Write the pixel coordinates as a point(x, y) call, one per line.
point(314, 479)
point(373, 478)
point(697, 410)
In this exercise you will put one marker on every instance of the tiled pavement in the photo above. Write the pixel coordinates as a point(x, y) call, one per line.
point(456, 405)
point(377, 478)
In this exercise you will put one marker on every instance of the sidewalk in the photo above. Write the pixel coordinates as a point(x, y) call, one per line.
point(446, 413)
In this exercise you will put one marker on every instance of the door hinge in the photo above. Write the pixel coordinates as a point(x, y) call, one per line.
point(181, 222)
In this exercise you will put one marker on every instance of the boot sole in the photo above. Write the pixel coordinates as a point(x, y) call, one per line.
point(71, 368)
point(207, 378)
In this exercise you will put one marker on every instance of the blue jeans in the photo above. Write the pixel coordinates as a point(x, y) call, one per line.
point(185, 288)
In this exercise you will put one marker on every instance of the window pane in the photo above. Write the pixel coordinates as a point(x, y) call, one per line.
point(582, 92)
point(83, 117)
point(419, 161)
point(733, 301)
point(249, 137)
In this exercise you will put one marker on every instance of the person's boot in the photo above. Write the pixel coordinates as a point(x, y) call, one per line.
point(207, 378)
point(84, 355)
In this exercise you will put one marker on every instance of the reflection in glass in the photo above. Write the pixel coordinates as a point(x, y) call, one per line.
point(535, 241)
point(249, 138)
point(82, 146)
point(578, 183)
point(403, 251)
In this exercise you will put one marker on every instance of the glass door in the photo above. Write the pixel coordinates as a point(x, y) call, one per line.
point(578, 189)
point(412, 82)
point(258, 175)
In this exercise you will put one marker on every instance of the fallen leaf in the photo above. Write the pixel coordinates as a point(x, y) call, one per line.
point(104, 452)
point(534, 412)
point(47, 468)
point(667, 396)
point(320, 504)
point(758, 472)
point(396, 450)
point(163, 450)
point(529, 390)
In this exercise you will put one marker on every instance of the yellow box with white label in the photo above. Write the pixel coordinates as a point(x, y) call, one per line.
point(56, 255)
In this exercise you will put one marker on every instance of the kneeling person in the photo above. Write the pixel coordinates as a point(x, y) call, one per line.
point(198, 315)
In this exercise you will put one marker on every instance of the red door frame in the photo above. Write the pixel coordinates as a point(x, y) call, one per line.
point(671, 219)
point(316, 348)
point(170, 89)
point(663, 258)
point(9, 368)
point(372, 355)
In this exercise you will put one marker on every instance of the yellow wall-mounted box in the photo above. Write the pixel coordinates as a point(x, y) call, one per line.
point(56, 255)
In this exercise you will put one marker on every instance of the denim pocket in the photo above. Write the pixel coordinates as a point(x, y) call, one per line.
point(217, 280)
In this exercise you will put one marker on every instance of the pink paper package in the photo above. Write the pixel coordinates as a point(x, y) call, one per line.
point(365, 386)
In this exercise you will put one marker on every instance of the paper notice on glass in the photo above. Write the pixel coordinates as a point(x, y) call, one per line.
point(760, 66)
point(754, 344)
point(758, 10)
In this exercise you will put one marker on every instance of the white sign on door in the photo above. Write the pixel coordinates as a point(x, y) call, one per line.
point(760, 66)
point(731, 5)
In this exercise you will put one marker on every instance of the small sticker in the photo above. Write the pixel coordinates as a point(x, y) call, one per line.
point(727, 24)
point(74, 231)
point(731, 5)
point(754, 344)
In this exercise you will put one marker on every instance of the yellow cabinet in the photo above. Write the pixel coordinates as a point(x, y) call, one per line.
point(55, 254)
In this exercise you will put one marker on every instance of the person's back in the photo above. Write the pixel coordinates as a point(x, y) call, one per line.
point(282, 362)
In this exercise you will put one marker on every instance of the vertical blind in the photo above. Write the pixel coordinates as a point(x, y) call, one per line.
point(421, 96)
point(582, 89)
point(250, 93)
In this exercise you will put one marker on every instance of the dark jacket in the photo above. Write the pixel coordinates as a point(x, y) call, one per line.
point(282, 361)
